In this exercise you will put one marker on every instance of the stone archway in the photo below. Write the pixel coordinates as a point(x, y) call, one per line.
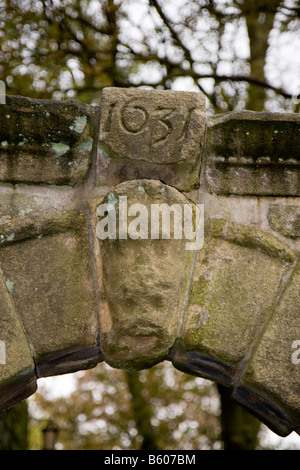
point(228, 311)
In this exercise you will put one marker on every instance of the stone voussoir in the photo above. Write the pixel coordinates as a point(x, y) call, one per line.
point(17, 368)
point(45, 261)
point(223, 316)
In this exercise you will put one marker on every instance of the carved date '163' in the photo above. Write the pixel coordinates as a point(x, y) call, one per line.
point(135, 118)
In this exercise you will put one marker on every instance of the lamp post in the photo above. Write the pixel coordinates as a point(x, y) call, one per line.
point(50, 435)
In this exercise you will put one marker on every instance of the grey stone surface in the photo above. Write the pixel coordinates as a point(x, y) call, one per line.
point(251, 153)
point(285, 220)
point(46, 141)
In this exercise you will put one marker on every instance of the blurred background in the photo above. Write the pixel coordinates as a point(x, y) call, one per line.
point(242, 54)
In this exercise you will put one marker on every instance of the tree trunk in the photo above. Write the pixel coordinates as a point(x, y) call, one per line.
point(259, 16)
point(110, 12)
point(239, 428)
point(142, 412)
point(14, 428)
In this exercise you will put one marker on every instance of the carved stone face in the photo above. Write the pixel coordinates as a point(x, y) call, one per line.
point(144, 280)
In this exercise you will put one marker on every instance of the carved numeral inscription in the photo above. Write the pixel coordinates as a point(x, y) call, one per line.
point(134, 119)
point(107, 126)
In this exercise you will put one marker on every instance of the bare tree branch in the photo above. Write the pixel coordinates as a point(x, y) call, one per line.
point(196, 76)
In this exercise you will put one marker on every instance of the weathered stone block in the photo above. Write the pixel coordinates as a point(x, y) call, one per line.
point(14, 205)
point(235, 284)
point(45, 260)
point(285, 220)
point(250, 153)
point(270, 384)
point(46, 142)
point(151, 134)
point(17, 374)
point(143, 280)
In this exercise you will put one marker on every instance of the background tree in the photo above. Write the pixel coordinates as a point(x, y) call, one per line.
point(14, 427)
point(240, 430)
point(159, 408)
point(182, 413)
point(73, 48)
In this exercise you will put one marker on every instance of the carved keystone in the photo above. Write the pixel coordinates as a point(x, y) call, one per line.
point(144, 280)
point(163, 130)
